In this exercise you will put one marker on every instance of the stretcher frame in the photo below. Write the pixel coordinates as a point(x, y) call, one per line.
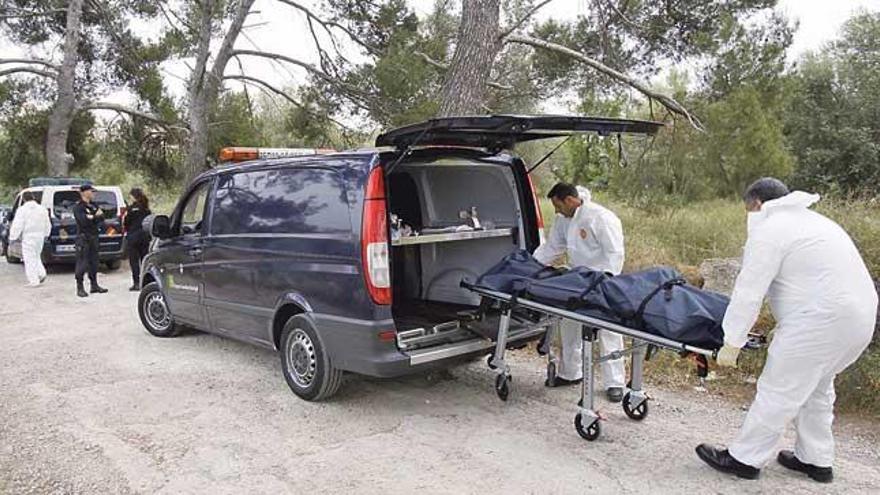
point(586, 421)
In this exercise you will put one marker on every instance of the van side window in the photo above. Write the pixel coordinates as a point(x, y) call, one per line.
point(284, 201)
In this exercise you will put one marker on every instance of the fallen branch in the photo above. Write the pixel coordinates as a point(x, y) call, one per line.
point(444, 67)
point(665, 100)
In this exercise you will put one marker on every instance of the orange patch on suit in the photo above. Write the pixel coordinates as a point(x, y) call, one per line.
point(584, 234)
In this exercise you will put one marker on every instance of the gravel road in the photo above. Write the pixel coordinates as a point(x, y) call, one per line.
point(90, 403)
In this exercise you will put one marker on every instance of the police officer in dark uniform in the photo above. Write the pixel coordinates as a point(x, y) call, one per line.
point(88, 218)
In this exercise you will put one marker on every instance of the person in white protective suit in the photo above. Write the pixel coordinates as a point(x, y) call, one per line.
point(592, 236)
point(825, 305)
point(32, 225)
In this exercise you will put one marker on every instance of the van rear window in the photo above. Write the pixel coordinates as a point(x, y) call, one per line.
point(63, 202)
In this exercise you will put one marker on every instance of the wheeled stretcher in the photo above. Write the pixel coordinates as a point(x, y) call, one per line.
point(586, 421)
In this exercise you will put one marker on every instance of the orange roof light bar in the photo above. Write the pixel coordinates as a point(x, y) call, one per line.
point(241, 154)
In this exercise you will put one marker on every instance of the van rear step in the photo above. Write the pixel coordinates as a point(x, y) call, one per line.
point(518, 335)
point(449, 331)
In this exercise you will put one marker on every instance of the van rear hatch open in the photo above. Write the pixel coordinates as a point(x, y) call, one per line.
point(453, 212)
point(468, 212)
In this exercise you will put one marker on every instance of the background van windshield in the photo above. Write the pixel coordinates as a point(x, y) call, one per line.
point(63, 202)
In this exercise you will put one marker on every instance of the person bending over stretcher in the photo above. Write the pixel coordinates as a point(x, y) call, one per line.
point(825, 305)
point(592, 236)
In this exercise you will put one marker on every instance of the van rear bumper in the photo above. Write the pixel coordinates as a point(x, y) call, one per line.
point(109, 249)
point(354, 346)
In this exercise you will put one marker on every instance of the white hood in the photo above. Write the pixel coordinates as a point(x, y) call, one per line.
point(796, 199)
point(584, 194)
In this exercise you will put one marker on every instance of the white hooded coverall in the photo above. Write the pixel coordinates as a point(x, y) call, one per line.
point(825, 305)
point(593, 238)
point(32, 225)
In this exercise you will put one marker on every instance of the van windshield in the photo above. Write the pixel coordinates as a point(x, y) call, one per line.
point(64, 201)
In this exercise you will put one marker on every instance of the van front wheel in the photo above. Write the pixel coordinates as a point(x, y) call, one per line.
point(305, 363)
point(154, 312)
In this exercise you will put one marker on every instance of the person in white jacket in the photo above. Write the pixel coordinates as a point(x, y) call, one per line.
point(825, 305)
point(32, 225)
point(592, 236)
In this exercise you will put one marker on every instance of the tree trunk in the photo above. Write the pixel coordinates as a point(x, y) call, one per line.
point(64, 109)
point(205, 84)
point(464, 90)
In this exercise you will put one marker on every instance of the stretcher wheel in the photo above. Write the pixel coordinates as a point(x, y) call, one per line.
point(502, 386)
point(489, 361)
point(591, 432)
point(551, 375)
point(638, 413)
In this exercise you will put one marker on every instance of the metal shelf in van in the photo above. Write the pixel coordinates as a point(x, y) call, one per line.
point(451, 236)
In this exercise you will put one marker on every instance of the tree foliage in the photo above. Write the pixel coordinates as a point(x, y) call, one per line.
point(833, 116)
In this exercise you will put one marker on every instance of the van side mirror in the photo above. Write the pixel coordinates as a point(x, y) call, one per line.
point(160, 226)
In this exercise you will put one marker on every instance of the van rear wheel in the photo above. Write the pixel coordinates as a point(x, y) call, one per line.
point(305, 363)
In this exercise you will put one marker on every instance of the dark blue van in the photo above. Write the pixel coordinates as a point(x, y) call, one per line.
point(352, 261)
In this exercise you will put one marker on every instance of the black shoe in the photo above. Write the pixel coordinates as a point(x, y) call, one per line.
point(820, 474)
point(541, 344)
point(81, 292)
point(724, 462)
point(97, 289)
point(614, 394)
point(135, 288)
point(560, 382)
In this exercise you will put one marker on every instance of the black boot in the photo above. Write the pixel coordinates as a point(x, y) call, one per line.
point(614, 394)
point(97, 289)
point(135, 288)
point(820, 474)
point(81, 291)
point(724, 462)
point(560, 382)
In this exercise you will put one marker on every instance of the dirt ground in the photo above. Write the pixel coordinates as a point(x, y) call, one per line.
point(90, 403)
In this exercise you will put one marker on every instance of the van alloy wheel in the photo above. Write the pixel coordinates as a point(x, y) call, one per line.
point(302, 360)
point(156, 311)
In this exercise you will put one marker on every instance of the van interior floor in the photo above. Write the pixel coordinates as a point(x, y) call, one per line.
point(425, 323)
point(414, 313)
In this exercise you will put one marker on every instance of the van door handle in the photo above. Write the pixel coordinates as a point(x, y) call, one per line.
point(195, 252)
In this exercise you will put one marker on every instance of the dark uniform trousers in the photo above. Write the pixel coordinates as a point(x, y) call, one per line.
point(138, 246)
point(87, 259)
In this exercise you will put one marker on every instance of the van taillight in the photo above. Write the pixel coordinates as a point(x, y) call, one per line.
point(538, 213)
point(374, 240)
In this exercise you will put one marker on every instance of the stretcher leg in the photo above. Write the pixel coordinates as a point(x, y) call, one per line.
point(635, 402)
point(497, 362)
point(546, 348)
point(586, 422)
